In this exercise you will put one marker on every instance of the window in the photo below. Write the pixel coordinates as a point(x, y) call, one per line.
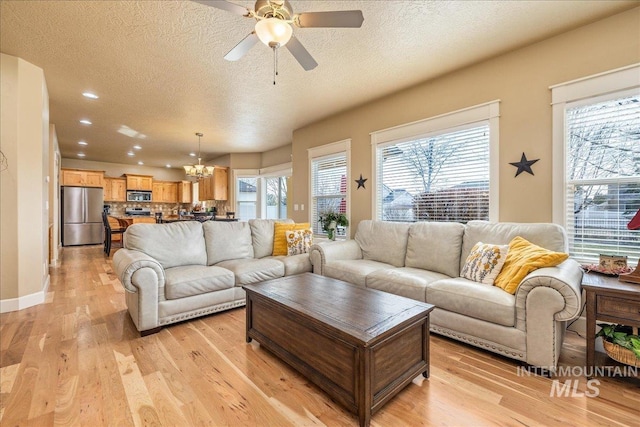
point(276, 200)
point(597, 139)
point(596, 134)
point(329, 168)
point(261, 193)
point(438, 169)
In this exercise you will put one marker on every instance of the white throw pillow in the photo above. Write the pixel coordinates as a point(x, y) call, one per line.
point(298, 241)
point(484, 262)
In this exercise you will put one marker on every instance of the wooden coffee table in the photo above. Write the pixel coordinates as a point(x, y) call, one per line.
point(361, 346)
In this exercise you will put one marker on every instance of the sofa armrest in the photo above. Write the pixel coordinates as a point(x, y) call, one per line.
point(565, 279)
point(127, 263)
point(321, 253)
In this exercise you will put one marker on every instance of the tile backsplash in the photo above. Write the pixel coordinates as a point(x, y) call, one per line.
point(118, 208)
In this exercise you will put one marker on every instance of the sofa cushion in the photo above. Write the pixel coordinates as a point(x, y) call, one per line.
point(385, 242)
point(295, 264)
point(522, 259)
point(191, 280)
point(262, 235)
point(353, 271)
point(484, 263)
point(175, 244)
point(435, 246)
point(548, 236)
point(299, 241)
point(280, 235)
point(406, 281)
point(249, 271)
point(484, 302)
point(227, 240)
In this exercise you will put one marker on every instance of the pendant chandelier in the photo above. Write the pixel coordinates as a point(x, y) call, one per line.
point(199, 170)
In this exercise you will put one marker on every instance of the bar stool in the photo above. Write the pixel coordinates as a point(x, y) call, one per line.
point(109, 232)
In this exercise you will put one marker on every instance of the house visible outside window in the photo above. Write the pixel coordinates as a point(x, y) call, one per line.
point(246, 198)
point(597, 140)
point(439, 169)
point(329, 170)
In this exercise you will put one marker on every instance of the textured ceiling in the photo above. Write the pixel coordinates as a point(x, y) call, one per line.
point(158, 66)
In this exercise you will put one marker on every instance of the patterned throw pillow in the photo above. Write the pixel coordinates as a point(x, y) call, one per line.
point(279, 237)
point(484, 262)
point(298, 241)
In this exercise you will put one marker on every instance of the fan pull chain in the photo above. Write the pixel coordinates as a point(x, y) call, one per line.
point(275, 46)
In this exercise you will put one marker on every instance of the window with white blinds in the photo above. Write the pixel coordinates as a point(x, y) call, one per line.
point(328, 189)
point(602, 176)
point(443, 176)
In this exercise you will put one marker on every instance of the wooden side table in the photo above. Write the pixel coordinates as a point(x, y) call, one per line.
point(609, 300)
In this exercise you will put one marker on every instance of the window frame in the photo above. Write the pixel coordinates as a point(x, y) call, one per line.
point(324, 151)
point(282, 170)
point(486, 112)
point(587, 90)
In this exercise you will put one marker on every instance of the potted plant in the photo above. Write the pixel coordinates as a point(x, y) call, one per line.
point(620, 343)
point(330, 222)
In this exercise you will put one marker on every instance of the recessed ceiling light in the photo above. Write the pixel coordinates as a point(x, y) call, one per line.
point(83, 143)
point(85, 122)
point(131, 153)
point(90, 95)
point(140, 163)
point(137, 147)
point(168, 166)
point(192, 154)
point(81, 154)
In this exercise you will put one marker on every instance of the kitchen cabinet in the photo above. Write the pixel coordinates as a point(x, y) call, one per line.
point(139, 182)
point(165, 192)
point(144, 220)
point(115, 189)
point(214, 187)
point(185, 189)
point(82, 178)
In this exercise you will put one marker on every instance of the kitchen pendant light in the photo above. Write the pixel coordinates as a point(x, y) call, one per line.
point(199, 170)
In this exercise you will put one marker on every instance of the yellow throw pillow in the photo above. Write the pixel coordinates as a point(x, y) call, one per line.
point(522, 258)
point(280, 238)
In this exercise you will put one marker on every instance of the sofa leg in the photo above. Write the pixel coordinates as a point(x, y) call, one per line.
point(150, 331)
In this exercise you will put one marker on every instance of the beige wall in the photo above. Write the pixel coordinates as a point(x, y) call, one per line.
point(519, 79)
point(54, 193)
point(277, 156)
point(24, 194)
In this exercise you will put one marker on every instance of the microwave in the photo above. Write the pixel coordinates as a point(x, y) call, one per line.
point(138, 196)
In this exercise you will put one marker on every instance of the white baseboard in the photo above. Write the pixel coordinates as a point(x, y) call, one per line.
point(15, 304)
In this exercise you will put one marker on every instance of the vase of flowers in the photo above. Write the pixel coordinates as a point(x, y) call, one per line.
point(330, 222)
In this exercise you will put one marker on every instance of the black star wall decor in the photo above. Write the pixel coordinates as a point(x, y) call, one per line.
point(524, 165)
point(361, 182)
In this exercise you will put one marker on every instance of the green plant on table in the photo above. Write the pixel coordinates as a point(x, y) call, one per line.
point(620, 335)
point(330, 221)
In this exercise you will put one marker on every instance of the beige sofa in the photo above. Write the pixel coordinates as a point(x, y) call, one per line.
point(423, 261)
point(178, 271)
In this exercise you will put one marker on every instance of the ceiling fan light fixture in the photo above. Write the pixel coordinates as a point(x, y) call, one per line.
point(270, 30)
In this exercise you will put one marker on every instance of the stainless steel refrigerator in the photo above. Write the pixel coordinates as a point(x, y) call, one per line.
point(82, 216)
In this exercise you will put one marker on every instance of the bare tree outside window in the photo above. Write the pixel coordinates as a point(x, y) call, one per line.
point(603, 177)
point(444, 177)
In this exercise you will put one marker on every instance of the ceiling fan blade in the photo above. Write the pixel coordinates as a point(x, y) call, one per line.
point(301, 54)
point(242, 48)
point(225, 5)
point(343, 18)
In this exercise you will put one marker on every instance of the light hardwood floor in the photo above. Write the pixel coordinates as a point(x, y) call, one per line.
point(78, 360)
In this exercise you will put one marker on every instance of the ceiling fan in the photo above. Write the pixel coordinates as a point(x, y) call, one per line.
point(274, 26)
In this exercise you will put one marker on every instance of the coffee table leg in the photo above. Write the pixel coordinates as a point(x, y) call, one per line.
point(425, 346)
point(248, 322)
